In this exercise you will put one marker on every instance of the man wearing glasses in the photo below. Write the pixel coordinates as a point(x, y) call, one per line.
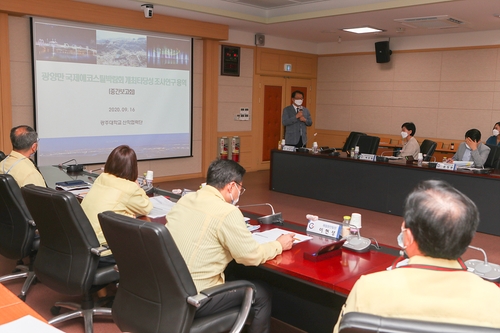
point(210, 232)
point(18, 163)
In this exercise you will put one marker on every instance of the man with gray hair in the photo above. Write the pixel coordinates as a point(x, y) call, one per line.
point(439, 224)
point(18, 163)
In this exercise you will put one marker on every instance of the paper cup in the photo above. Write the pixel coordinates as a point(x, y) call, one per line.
point(356, 220)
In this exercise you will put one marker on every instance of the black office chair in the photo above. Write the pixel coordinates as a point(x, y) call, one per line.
point(68, 255)
point(357, 322)
point(352, 141)
point(493, 157)
point(17, 232)
point(427, 149)
point(368, 144)
point(156, 292)
point(2, 156)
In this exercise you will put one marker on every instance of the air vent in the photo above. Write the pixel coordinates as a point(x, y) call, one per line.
point(431, 22)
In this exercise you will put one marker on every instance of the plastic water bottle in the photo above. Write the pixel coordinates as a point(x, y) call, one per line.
point(315, 148)
point(356, 152)
point(346, 226)
point(420, 159)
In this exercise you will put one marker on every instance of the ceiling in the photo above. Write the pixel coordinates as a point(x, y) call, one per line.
point(320, 21)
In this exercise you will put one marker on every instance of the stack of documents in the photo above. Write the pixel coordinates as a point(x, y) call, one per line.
point(161, 206)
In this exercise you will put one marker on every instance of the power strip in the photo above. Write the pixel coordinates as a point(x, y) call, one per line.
point(357, 244)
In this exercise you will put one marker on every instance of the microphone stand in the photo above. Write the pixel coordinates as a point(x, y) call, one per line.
point(274, 218)
point(487, 271)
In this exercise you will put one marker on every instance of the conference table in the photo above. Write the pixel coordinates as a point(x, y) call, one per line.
point(377, 186)
point(12, 308)
point(307, 295)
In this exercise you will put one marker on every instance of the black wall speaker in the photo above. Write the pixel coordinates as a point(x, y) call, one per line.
point(260, 39)
point(382, 52)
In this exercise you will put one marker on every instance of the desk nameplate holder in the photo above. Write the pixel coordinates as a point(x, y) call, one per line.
point(331, 239)
point(446, 166)
point(288, 148)
point(368, 157)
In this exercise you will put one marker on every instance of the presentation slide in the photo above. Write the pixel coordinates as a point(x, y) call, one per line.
point(98, 88)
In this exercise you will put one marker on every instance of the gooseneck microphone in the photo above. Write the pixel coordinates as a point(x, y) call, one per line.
point(71, 167)
point(484, 269)
point(63, 163)
point(274, 218)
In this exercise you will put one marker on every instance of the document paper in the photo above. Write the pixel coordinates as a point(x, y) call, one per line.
point(161, 206)
point(273, 234)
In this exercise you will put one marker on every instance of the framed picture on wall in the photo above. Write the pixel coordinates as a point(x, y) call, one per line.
point(230, 61)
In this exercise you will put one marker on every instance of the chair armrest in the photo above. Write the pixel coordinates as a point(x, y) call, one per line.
point(204, 295)
point(98, 250)
point(246, 303)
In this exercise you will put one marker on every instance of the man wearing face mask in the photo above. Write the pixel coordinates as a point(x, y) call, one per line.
point(296, 118)
point(410, 144)
point(472, 149)
point(18, 163)
point(494, 140)
point(210, 232)
point(439, 224)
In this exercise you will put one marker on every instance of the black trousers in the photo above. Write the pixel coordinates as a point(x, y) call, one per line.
point(262, 306)
point(299, 144)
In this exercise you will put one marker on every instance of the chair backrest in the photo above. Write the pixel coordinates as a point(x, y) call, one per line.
point(2, 156)
point(357, 322)
point(427, 149)
point(154, 279)
point(64, 261)
point(17, 229)
point(368, 144)
point(352, 140)
point(493, 157)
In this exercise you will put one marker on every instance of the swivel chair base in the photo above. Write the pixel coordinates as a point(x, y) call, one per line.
point(22, 271)
point(87, 314)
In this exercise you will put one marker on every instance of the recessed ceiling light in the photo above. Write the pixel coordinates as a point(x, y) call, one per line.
point(362, 30)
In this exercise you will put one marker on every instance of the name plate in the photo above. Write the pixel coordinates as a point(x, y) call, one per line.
point(368, 157)
point(325, 228)
point(446, 166)
point(288, 148)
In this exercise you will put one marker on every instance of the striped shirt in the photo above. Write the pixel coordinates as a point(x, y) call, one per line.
point(210, 232)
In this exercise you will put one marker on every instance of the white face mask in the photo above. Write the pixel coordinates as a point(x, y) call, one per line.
point(404, 135)
point(298, 102)
point(400, 240)
point(495, 132)
point(235, 201)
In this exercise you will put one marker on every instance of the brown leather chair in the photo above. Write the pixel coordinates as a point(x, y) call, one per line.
point(156, 292)
point(17, 232)
point(68, 254)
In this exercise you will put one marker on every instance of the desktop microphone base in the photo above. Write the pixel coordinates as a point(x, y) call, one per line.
point(488, 271)
point(357, 244)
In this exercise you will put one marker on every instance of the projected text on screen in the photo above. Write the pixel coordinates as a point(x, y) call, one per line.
point(96, 89)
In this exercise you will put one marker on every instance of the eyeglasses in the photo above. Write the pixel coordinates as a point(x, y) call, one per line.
point(242, 188)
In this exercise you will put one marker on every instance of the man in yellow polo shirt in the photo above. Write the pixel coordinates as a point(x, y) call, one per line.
point(210, 231)
point(439, 224)
point(18, 163)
